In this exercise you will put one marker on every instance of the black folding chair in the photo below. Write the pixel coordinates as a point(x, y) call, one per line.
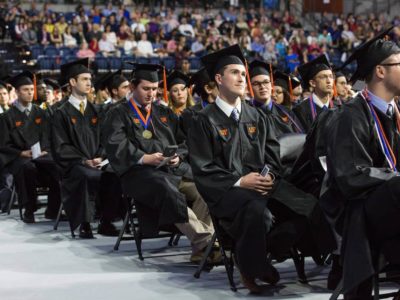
point(14, 198)
point(132, 220)
point(383, 269)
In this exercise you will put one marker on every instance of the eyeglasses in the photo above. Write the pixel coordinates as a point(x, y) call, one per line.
point(391, 64)
point(258, 84)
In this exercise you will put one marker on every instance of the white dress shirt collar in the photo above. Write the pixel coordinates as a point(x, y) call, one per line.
point(226, 107)
point(76, 102)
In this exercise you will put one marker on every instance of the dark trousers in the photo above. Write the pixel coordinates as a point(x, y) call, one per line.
point(41, 172)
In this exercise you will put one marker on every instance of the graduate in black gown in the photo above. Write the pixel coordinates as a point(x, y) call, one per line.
point(206, 89)
point(23, 126)
point(318, 75)
point(260, 78)
point(229, 145)
point(117, 86)
point(136, 134)
point(76, 140)
point(340, 88)
point(363, 195)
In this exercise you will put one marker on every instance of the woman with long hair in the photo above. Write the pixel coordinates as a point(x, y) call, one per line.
point(179, 96)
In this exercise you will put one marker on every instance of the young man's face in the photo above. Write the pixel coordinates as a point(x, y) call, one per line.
point(4, 96)
point(122, 91)
point(25, 93)
point(323, 82)
point(232, 81)
point(82, 84)
point(41, 92)
point(391, 75)
point(261, 87)
point(145, 92)
point(341, 83)
point(50, 96)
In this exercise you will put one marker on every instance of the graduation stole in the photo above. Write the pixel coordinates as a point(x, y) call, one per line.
point(298, 127)
point(143, 120)
point(314, 108)
point(383, 140)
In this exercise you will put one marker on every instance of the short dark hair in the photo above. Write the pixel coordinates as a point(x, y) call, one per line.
point(202, 91)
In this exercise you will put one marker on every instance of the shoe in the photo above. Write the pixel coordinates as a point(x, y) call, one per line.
point(271, 275)
point(107, 229)
point(85, 231)
point(335, 274)
point(250, 284)
point(214, 258)
point(28, 217)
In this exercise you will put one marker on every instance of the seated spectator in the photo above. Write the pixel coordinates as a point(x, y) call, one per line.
point(84, 52)
point(48, 24)
point(69, 39)
point(122, 35)
point(325, 38)
point(186, 29)
point(257, 46)
point(159, 47)
point(44, 36)
point(136, 25)
point(111, 36)
point(269, 54)
point(61, 25)
point(144, 47)
point(94, 45)
point(20, 27)
point(292, 60)
point(198, 46)
point(130, 45)
point(348, 37)
point(56, 38)
point(106, 47)
point(29, 36)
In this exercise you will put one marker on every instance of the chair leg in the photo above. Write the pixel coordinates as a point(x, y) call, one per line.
point(20, 206)
point(138, 241)
point(206, 254)
point(336, 293)
point(299, 265)
point(171, 240)
point(122, 231)
point(375, 283)
point(58, 216)
point(176, 240)
point(229, 267)
point(72, 231)
point(12, 200)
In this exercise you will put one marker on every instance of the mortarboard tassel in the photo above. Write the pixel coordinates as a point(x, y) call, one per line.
point(34, 88)
point(271, 76)
point(248, 81)
point(165, 85)
point(335, 94)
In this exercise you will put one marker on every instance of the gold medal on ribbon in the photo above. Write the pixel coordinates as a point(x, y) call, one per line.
point(147, 134)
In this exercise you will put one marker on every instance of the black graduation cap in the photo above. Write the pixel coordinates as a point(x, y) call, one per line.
point(339, 74)
point(258, 67)
point(282, 79)
point(72, 69)
point(149, 72)
point(217, 60)
point(112, 80)
point(98, 82)
point(371, 54)
point(177, 77)
point(52, 84)
point(24, 78)
point(312, 68)
point(199, 80)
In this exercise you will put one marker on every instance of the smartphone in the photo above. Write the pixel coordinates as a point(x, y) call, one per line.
point(264, 171)
point(170, 151)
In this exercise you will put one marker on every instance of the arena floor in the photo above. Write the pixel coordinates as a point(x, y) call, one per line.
point(38, 263)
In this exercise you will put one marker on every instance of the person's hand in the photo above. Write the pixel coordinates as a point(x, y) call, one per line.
point(43, 153)
point(89, 163)
point(153, 159)
point(26, 154)
point(254, 181)
point(175, 161)
point(97, 161)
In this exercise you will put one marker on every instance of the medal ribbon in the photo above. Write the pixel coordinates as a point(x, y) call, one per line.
point(144, 121)
point(298, 127)
point(383, 141)
point(314, 108)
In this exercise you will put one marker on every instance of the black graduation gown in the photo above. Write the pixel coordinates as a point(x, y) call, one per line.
point(304, 114)
point(221, 153)
point(18, 133)
point(359, 175)
point(156, 190)
point(280, 121)
point(188, 115)
point(76, 138)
